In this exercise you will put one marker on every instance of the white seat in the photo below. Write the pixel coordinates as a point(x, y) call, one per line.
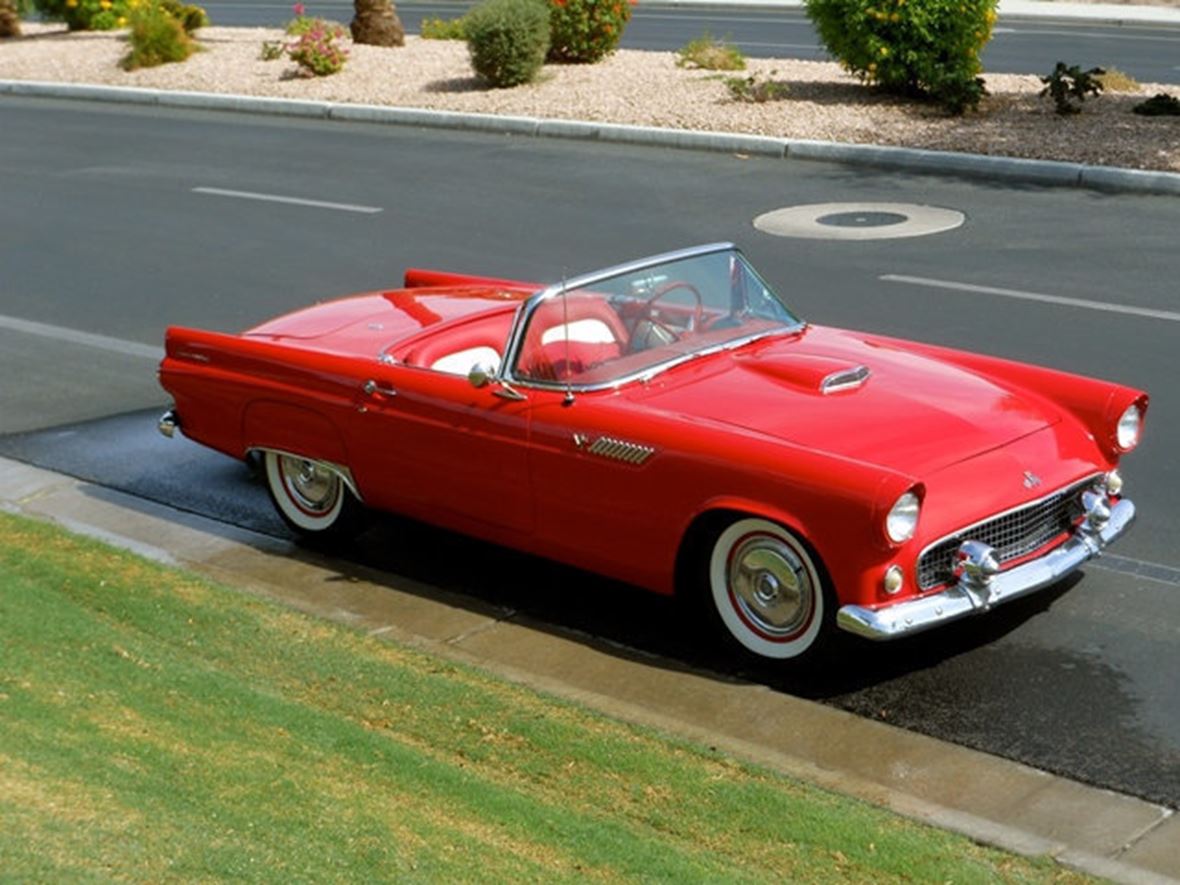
point(462, 361)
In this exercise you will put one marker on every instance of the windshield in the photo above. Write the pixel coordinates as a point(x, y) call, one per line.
point(628, 322)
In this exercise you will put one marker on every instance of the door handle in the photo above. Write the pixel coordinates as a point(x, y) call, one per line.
point(371, 387)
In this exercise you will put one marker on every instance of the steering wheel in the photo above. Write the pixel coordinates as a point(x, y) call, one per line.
point(672, 286)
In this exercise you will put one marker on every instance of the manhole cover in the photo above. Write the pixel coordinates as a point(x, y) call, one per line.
point(858, 221)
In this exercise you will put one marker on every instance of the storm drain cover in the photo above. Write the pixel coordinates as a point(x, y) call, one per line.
point(858, 221)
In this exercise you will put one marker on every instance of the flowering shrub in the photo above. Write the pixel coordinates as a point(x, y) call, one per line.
point(301, 24)
point(85, 15)
point(507, 40)
point(157, 37)
point(316, 51)
point(586, 30)
point(921, 48)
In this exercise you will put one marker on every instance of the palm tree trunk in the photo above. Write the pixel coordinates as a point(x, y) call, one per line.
point(9, 20)
point(375, 24)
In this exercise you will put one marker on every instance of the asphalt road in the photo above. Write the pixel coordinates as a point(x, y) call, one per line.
point(1150, 53)
point(107, 242)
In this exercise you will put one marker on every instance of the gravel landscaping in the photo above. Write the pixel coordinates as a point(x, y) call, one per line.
point(645, 88)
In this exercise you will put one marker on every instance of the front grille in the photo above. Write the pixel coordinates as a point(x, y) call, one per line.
point(1012, 534)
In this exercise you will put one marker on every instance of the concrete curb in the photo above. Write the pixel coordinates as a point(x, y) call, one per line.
point(928, 162)
point(988, 799)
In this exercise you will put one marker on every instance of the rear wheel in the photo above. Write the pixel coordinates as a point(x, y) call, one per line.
point(768, 591)
point(312, 499)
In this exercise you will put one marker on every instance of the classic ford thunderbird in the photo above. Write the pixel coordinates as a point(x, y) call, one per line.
point(671, 423)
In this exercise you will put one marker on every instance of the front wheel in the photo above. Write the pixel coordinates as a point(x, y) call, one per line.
point(767, 590)
point(311, 498)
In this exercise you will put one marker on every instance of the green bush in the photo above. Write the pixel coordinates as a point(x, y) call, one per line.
point(1159, 105)
point(1068, 85)
point(710, 55)
point(444, 28)
point(918, 48)
point(508, 40)
point(156, 38)
point(85, 15)
point(189, 15)
point(586, 30)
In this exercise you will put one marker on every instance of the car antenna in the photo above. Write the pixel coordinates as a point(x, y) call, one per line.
point(565, 319)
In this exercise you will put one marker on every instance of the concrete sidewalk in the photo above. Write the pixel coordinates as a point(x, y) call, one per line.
point(988, 799)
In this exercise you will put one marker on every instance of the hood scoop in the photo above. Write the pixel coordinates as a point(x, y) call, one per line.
point(845, 379)
point(809, 372)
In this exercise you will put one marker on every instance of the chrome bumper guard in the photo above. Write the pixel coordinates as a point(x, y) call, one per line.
point(973, 595)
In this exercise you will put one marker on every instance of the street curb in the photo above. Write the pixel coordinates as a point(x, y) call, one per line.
point(1012, 170)
point(245, 560)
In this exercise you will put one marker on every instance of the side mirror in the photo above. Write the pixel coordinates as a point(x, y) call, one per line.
point(481, 375)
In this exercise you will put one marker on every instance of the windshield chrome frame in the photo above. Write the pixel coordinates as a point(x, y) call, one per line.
point(525, 312)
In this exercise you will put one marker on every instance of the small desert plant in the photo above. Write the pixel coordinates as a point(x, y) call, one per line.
point(1159, 105)
point(507, 40)
point(1068, 85)
point(444, 28)
point(709, 54)
point(156, 38)
point(317, 51)
point(1114, 80)
point(272, 50)
point(583, 31)
point(189, 15)
point(752, 89)
point(919, 48)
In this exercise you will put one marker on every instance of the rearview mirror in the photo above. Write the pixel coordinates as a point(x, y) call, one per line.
point(481, 375)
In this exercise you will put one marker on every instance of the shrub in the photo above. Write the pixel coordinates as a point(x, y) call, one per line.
point(1114, 80)
point(189, 15)
point(508, 40)
point(444, 29)
point(1069, 85)
point(316, 51)
point(919, 48)
point(584, 31)
point(85, 15)
point(1159, 105)
point(299, 25)
point(156, 38)
point(711, 55)
point(752, 89)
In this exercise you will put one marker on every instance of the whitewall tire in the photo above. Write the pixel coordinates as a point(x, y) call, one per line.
point(767, 590)
point(311, 498)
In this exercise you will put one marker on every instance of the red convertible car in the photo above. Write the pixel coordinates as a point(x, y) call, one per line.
point(671, 423)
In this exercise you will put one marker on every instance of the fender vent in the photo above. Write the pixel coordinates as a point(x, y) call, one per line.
point(620, 450)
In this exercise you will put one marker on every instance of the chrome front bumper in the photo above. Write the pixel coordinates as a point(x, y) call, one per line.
point(972, 598)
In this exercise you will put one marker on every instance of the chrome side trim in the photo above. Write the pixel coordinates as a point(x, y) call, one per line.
point(923, 613)
point(339, 469)
point(169, 423)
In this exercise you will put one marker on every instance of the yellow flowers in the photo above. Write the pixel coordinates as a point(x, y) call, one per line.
point(105, 4)
point(884, 51)
point(895, 18)
point(71, 3)
point(121, 22)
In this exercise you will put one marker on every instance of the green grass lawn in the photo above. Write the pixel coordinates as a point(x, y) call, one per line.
point(154, 726)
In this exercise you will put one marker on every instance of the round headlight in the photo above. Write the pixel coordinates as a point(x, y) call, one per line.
point(1127, 432)
point(902, 520)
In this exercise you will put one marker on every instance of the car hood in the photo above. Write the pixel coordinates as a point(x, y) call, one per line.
point(911, 413)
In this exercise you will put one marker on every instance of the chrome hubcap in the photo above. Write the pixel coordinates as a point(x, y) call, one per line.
point(312, 486)
point(771, 586)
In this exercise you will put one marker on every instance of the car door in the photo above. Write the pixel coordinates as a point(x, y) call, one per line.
point(430, 443)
